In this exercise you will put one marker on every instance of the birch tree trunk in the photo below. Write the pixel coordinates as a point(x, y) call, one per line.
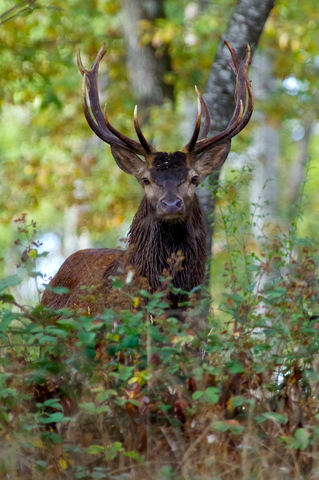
point(245, 26)
point(264, 184)
point(299, 168)
point(264, 153)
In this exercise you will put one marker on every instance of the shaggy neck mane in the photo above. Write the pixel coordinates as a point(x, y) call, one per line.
point(154, 245)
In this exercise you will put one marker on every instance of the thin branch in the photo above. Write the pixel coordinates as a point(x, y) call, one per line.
point(16, 11)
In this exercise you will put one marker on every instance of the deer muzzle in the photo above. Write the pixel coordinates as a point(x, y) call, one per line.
point(170, 207)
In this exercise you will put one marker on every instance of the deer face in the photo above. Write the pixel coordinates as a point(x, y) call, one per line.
point(170, 179)
point(170, 185)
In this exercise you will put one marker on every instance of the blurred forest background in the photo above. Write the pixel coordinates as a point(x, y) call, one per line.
point(54, 169)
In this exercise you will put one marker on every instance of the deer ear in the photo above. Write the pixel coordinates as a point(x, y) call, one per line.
point(127, 160)
point(213, 158)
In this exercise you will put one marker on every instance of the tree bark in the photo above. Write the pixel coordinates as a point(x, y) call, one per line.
point(245, 26)
point(146, 65)
point(299, 169)
point(264, 152)
point(264, 184)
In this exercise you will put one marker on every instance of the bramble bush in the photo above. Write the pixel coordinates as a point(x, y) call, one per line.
point(138, 394)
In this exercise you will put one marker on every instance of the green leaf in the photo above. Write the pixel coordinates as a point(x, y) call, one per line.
point(163, 305)
point(6, 298)
point(116, 283)
point(260, 418)
point(10, 281)
point(95, 449)
point(227, 427)
point(105, 395)
point(237, 401)
point(275, 417)
point(58, 290)
point(302, 435)
point(54, 403)
point(135, 456)
point(210, 395)
point(70, 323)
point(252, 268)
point(92, 409)
point(47, 339)
point(53, 418)
point(112, 450)
point(86, 337)
point(7, 318)
point(8, 392)
point(198, 394)
point(236, 368)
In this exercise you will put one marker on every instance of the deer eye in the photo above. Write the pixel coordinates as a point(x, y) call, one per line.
point(194, 180)
point(145, 181)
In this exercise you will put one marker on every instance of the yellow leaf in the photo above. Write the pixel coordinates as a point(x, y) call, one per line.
point(132, 380)
point(230, 406)
point(33, 253)
point(63, 464)
point(136, 302)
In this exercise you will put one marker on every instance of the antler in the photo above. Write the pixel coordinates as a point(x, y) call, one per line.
point(98, 122)
point(242, 113)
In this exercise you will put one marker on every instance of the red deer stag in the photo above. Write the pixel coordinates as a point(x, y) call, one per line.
point(169, 221)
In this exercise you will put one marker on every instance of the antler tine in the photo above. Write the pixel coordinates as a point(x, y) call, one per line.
point(100, 132)
point(96, 62)
point(249, 109)
point(250, 104)
point(90, 85)
point(190, 145)
point(248, 56)
point(243, 86)
point(132, 144)
point(233, 55)
point(242, 111)
point(206, 126)
point(240, 88)
point(96, 120)
point(147, 147)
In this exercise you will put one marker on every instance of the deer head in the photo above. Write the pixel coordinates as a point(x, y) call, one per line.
point(169, 179)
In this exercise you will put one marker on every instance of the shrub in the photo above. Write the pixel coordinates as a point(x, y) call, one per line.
point(120, 396)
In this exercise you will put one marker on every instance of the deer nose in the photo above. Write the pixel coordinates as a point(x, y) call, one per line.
point(172, 207)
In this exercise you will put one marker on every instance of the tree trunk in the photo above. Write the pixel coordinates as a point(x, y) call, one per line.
point(245, 26)
point(264, 185)
point(146, 65)
point(299, 169)
point(264, 153)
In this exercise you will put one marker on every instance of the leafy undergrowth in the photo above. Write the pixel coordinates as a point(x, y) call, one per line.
point(138, 394)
